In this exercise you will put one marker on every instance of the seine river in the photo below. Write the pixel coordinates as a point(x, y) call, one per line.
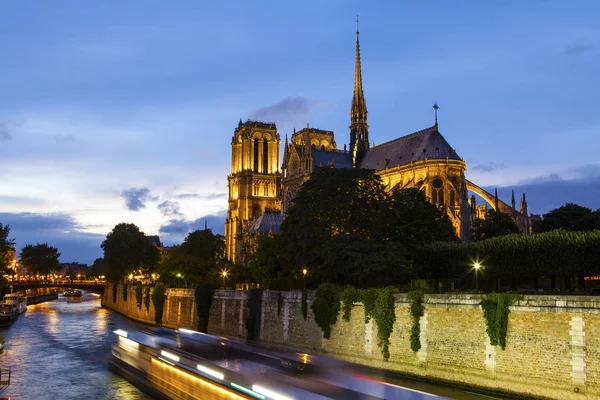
point(59, 350)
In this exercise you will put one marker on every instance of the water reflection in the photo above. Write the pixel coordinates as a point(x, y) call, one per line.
point(61, 350)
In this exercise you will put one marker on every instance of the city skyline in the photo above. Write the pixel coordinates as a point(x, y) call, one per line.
point(128, 116)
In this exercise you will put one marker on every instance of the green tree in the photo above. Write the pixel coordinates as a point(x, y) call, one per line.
point(40, 258)
point(496, 223)
point(127, 249)
point(570, 217)
point(267, 263)
point(334, 202)
point(6, 247)
point(97, 268)
point(196, 260)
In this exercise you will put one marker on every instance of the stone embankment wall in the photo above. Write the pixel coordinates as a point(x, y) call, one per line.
point(552, 351)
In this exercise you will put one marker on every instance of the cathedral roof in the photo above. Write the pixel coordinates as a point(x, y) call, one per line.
point(268, 222)
point(427, 143)
point(323, 158)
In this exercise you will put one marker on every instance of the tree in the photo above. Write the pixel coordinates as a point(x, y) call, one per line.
point(6, 248)
point(496, 223)
point(333, 202)
point(127, 249)
point(97, 268)
point(267, 262)
point(411, 220)
point(40, 258)
point(196, 260)
point(570, 217)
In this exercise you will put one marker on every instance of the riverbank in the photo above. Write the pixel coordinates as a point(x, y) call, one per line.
point(551, 350)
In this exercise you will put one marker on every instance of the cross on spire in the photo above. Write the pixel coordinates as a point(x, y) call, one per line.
point(436, 108)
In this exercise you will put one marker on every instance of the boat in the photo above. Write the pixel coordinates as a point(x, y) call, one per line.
point(19, 300)
point(74, 296)
point(8, 315)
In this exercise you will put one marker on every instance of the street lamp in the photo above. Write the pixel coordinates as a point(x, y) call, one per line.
point(477, 266)
point(304, 272)
point(224, 276)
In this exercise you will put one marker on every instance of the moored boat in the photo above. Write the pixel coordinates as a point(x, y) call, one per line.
point(19, 300)
point(8, 315)
point(74, 296)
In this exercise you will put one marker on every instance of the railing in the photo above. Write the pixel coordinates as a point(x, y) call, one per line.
point(4, 378)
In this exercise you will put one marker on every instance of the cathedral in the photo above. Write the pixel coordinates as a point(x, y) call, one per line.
point(260, 193)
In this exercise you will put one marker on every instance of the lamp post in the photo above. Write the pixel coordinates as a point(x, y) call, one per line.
point(477, 266)
point(304, 272)
point(224, 276)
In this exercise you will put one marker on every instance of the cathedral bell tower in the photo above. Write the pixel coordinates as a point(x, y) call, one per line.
point(359, 130)
point(254, 182)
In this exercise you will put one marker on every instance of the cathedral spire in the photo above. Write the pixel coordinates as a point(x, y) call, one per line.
point(513, 202)
point(359, 130)
point(435, 108)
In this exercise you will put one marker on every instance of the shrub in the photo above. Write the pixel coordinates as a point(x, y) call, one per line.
point(158, 299)
point(204, 296)
point(254, 304)
point(139, 294)
point(147, 298)
point(326, 307)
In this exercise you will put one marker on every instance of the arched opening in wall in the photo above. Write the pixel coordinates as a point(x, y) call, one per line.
point(255, 155)
point(312, 146)
point(437, 192)
point(265, 156)
point(322, 147)
point(452, 198)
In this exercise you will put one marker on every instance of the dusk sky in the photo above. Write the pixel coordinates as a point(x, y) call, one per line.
point(123, 111)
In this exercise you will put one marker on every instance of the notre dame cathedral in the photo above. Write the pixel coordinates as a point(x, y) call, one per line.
point(260, 193)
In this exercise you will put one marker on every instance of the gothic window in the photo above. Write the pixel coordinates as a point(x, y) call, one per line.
point(265, 156)
point(266, 191)
point(452, 198)
point(255, 155)
point(437, 192)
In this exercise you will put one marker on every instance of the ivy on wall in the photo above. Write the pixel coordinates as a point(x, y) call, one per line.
point(385, 316)
point(254, 304)
point(279, 303)
point(304, 305)
point(326, 307)
point(139, 294)
point(204, 296)
point(495, 308)
point(124, 292)
point(147, 298)
point(365, 296)
point(158, 299)
point(416, 312)
point(114, 290)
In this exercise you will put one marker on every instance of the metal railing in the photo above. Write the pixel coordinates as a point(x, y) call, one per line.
point(5, 374)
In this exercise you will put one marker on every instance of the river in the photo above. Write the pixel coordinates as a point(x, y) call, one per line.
point(59, 350)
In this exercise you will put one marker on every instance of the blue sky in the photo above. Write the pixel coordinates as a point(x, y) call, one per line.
point(123, 111)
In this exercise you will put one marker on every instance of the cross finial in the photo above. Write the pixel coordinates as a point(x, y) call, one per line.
point(435, 108)
point(357, 24)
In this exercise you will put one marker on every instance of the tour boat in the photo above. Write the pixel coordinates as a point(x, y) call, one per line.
point(8, 314)
point(19, 300)
point(74, 296)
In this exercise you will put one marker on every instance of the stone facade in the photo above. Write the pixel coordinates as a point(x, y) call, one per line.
point(553, 345)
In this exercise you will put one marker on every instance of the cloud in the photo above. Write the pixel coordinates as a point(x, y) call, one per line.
point(135, 198)
point(5, 134)
point(176, 229)
point(209, 196)
point(169, 208)
point(59, 230)
point(286, 109)
point(488, 167)
point(578, 47)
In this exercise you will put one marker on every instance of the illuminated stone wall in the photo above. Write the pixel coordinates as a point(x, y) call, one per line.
point(553, 342)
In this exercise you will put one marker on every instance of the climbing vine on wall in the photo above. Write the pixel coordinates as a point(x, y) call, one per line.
point(385, 316)
point(304, 305)
point(326, 307)
point(365, 296)
point(147, 298)
point(139, 294)
point(204, 295)
point(124, 292)
point(416, 312)
point(495, 312)
point(279, 303)
point(114, 290)
point(254, 303)
point(158, 299)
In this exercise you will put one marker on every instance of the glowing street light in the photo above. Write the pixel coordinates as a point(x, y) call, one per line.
point(477, 266)
point(224, 274)
point(304, 272)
